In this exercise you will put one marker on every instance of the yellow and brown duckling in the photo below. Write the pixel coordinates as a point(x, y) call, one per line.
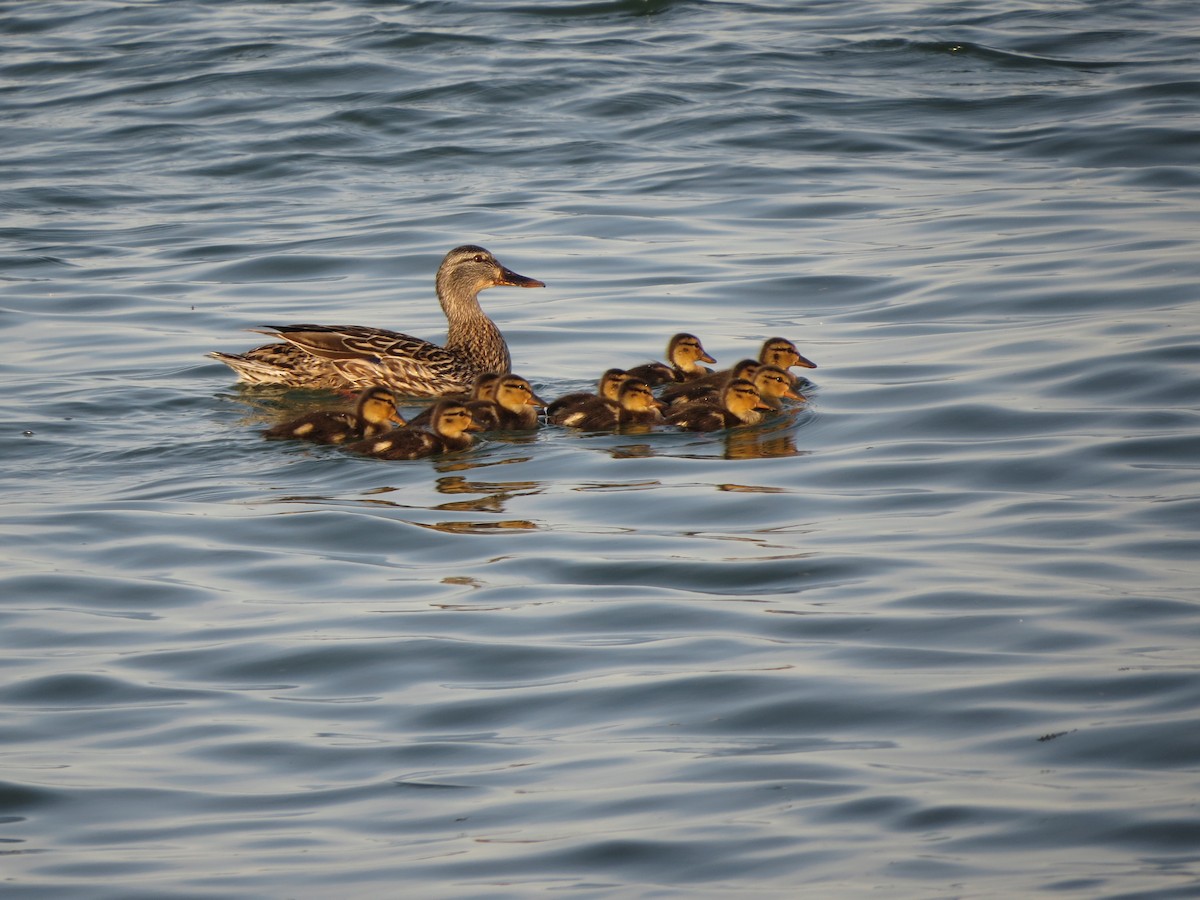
point(514, 408)
point(708, 388)
point(635, 405)
point(447, 432)
point(573, 408)
point(340, 357)
point(374, 413)
point(783, 353)
point(684, 355)
point(774, 385)
point(740, 405)
point(478, 400)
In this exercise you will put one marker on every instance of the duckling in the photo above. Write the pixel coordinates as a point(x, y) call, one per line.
point(571, 408)
point(684, 353)
point(483, 391)
point(740, 405)
point(773, 384)
point(638, 405)
point(374, 409)
point(514, 409)
point(635, 405)
point(338, 357)
point(707, 389)
point(450, 423)
point(781, 352)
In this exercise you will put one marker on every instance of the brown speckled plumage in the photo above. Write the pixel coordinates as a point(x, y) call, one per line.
point(340, 357)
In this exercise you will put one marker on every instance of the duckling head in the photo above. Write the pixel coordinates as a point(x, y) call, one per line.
point(684, 350)
point(484, 386)
point(744, 369)
point(743, 401)
point(781, 352)
point(378, 405)
point(635, 395)
point(772, 383)
point(610, 383)
point(514, 393)
point(451, 419)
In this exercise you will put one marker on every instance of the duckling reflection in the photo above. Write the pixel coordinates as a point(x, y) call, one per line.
point(493, 494)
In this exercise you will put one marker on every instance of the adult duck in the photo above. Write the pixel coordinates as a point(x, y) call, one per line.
point(447, 432)
point(373, 413)
point(341, 357)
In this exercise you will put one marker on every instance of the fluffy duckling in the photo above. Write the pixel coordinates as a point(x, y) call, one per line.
point(781, 352)
point(684, 355)
point(515, 407)
point(478, 400)
point(573, 408)
point(637, 405)
point(449, 424)
point(372, 413)
point(707, 389)
point(774, 384)
point(740, 405)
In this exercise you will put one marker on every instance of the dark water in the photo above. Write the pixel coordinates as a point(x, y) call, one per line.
point(935, 636)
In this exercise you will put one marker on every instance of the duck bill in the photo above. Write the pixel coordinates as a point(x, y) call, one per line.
point(397, 418)
point(509, 278)
point(804, 362)
point(792, 395)
point(535, 400)
point(705, 356)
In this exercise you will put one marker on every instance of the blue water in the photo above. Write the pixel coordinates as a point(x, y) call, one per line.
point(935, 635)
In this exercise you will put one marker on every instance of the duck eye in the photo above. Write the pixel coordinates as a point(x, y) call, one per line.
point(478, 257)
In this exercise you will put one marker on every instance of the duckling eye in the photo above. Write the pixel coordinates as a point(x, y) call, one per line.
point(478, 257)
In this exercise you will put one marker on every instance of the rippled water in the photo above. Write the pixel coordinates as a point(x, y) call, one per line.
point(934, 636)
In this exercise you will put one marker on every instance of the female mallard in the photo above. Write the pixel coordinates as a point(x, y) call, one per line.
point(573, 408)
point(740, 405)
point(375, 408)
point(684, 353)
point(448, 429)
point(353, 356)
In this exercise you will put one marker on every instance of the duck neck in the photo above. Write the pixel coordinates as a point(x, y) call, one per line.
point(471, 334)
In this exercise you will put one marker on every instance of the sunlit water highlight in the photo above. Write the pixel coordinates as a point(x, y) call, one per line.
point(934, 635)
